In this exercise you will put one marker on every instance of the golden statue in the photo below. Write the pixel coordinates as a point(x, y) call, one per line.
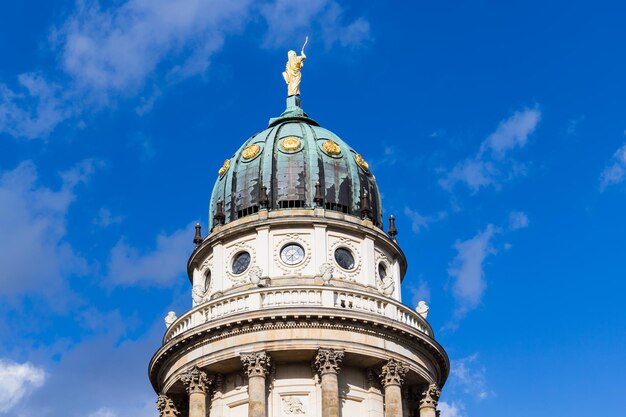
point(292, 73)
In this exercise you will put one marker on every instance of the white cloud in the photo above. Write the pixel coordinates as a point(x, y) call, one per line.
point(105, 218)
point(103, 412)
point(32, 110)
point(17, 381)
point(489, 166)
point(518, 220)
point(615, 172)
point(467, 272)
point(420, 222)
point(33, 253)
point(159, 267)
point(468, 376)
point(453, 409)
point(511, 133)
point(290, 21)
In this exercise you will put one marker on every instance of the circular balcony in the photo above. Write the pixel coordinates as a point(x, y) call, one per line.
point(290, 323)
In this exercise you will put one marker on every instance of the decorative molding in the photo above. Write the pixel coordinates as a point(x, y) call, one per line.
point(251, 152)
point(166, 407)
point(393, 372)
point(293, 238)
point(293, 406)
point(430, 396)
point(331, 148)
point(255, 363)
point(224, 168)
point(328, 360)
point(170, 318)
point(254, 275)
point(348, 275)
point(326, 270)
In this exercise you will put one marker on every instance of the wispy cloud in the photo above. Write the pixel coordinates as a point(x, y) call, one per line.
point(17, 380)
point(490, 167)
point(135, 49)
point(33, 218)
point(419, 291)
point(518, 220)
point(420, 222)
point(105, 218)
point(451, 409)
point(288, 20)
point(467, 273)
point(615, 171)
point(468, 376)
point(160, 266)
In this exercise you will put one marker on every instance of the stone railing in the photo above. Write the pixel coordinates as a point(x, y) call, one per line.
point(297, 297)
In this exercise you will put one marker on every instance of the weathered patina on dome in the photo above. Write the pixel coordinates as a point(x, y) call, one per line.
point(289, 158)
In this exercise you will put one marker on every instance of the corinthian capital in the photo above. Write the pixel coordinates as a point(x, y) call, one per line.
point(328, 360)
point(393, 372)
point(430, 396)
point(166, 407)
point(196, 380)
point(255, 363)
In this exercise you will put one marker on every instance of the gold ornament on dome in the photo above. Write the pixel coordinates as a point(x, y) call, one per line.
point(359, 160)
point(331, 147)
point(290, 144)
point(251, 151)
point(224, 167)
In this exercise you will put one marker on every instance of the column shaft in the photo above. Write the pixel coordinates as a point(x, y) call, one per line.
point(393, 401)
point(330, 395)
point(428, 412)
point(256, 396)
point(197, 404)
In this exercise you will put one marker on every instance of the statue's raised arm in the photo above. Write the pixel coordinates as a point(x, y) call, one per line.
point(292, 73)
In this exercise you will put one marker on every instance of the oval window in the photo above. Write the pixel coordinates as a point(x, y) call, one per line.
point(241, 262)
point(344, 258)
point(292, 254)
point(382, 271)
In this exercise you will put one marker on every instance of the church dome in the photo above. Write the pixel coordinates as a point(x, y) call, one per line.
point(280, 167)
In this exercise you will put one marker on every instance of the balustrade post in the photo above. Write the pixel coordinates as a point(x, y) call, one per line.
point(428, 403)
point(392, 377)
point(197, 384)
point(327, 363)
point(256, 365)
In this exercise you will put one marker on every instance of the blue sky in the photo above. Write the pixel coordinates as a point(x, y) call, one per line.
point(496, 132)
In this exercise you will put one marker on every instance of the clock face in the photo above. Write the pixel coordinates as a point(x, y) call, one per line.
point(292, 254)
point(241, 262)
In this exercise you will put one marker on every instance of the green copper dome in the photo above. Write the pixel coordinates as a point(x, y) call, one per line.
point(289, 158)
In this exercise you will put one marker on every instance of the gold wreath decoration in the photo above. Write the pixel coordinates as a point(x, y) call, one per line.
point(290, 143)
point(359, 160)
point(251, 151)
point(331, 147)
point(224, 167)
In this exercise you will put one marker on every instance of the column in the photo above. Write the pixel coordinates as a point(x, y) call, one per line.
point(392, 377)
point(217, 403)
point(327, 363)
point(428, 403)
point(166, 407)
point(256, 365)
point(197, 384)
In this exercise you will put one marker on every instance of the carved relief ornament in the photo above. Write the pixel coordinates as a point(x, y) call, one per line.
point(166, 407)
point(393, 372)
point(255, 363)
point(430, 396)
point(328, 360)
point(196, 380)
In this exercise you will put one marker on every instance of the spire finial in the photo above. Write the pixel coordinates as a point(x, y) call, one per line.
point(319, 198)
point(292, 73)
point(392, 228)
point(197, 239)
point(219, 218)
point(264, 200)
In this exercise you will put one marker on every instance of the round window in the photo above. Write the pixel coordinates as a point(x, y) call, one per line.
point(344, 258)
point(241, 262)
point(292, 254)
point(382, 271)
